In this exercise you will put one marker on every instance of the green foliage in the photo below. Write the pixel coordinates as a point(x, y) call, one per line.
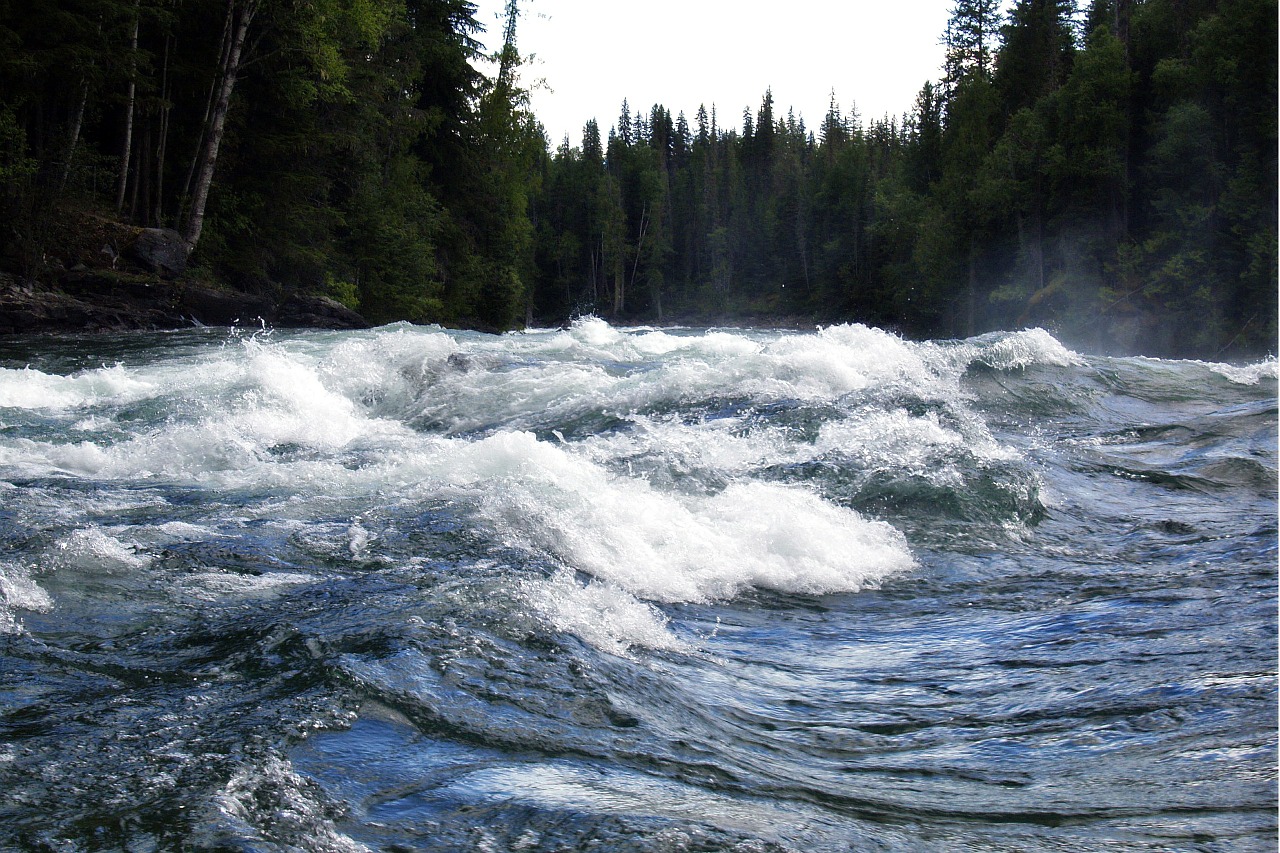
point(1110, 173)
point(343, 291)
point(363, 157)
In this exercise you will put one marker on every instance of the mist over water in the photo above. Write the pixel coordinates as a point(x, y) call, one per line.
point(641, 589)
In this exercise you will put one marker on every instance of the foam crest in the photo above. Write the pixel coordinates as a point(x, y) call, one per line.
point(19, 591)
point(547, 379)
point(212, 586)
point(819, 367)
point(666, 547)
point(1249, 374)
point(99, 549)
point(269, 804)
point(724, 445)
point(1015, 350)
point(594, 332)
point(361, 414)
point(839, 360)
point(237, 421)
point(464, 399)
point(866, 438)
point(601, 614)
point(898, 440)
point(385, 367)
point(33, 389)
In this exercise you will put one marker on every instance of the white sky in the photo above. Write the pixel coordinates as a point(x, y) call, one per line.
point(682, 53)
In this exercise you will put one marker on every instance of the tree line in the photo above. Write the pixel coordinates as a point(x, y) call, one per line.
point(1108, 172)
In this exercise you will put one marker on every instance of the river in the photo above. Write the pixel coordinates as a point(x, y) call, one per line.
point(602, 589)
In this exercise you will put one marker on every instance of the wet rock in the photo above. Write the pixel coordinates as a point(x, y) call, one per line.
point(86, 300)
point(95, 305)
point(317, 312)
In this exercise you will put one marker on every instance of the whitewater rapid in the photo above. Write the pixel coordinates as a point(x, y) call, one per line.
point(569, 443)
point(641, 589)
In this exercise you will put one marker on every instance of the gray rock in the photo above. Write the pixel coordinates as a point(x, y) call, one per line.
point(318, 312)
point(161, 250)
point(108, 301)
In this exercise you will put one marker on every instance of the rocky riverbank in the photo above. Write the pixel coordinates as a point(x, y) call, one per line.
point(98, 301)
point(139, 279)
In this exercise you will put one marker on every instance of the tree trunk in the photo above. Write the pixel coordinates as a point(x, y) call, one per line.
point(185, 198)
point(1038, 234)
point(157, 214)
point(644, 226)
point(595, 265)
point(224, 49)
point(619, 286)
point(75, 134)
point(802, 246)
point(127, 150)
point(141, 180)
point(218, 120)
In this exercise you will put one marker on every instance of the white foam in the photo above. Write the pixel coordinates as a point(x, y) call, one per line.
point(211, 586)
point(667, 547)
point(1249, 374)
point(601, 614)
point(19, 591)
point(385, 366)
point(595, 332)
point(897, 440)
point(358, 539)
point(100, 549)
point(724, 445)
point(867, 437)
point(1014, 350)
point(34, 389)
point(225, 434)
point(182, 531)
point(93, 423)
point(467, 399)
point(839, 360)
point(330, 416)
point(520, 381)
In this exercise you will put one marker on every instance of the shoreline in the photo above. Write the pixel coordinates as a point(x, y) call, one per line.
point(111, 301)
point(93, 301)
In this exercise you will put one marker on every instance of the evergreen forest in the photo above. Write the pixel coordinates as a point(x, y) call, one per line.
point(1107, 172)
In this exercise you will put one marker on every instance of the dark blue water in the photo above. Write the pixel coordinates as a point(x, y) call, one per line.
point(642, 590)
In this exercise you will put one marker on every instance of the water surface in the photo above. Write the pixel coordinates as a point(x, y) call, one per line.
point(637, 590)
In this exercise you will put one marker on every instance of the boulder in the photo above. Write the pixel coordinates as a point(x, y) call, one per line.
point(161, 250)
point(318, 312)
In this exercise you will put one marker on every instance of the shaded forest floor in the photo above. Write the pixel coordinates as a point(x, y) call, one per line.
point(93, 281)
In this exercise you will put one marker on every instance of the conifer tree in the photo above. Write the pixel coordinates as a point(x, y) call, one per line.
point(1037, 51)
point(971, 40)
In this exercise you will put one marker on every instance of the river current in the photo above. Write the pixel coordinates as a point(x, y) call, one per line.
point(601, 589)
